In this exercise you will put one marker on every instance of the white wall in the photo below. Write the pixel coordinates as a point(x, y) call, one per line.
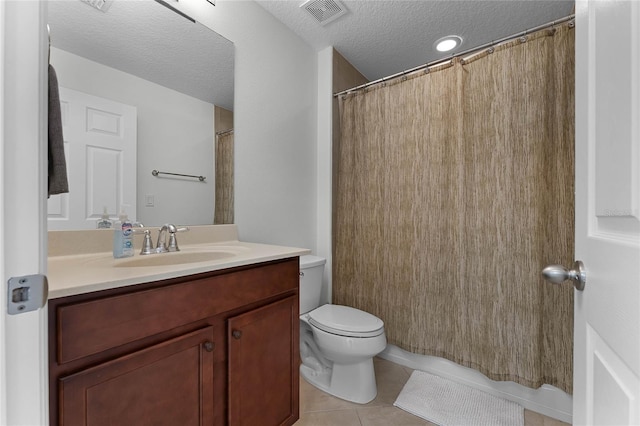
point(275, 108)
point(175, 134)
point(324, 161)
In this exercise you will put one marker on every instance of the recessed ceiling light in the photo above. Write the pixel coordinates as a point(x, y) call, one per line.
point(448, 43)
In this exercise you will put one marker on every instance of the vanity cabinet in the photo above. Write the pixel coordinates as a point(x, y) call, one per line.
point(219, 348)
point(263, 389)
point(135, 386)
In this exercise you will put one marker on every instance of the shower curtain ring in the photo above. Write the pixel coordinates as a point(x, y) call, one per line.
point(523, 38)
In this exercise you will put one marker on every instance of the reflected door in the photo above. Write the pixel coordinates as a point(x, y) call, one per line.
point(100, 138)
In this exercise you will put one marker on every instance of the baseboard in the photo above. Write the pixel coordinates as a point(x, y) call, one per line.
point(547, 399)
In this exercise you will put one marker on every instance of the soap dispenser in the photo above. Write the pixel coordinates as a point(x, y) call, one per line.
point(104, 221)
point(123, 237)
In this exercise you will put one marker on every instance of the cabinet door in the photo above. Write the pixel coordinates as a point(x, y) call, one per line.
point(263, 365)
point(167, 384)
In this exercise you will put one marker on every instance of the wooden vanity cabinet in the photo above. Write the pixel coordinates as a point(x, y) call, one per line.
point(263, 388)
point(218, 348)
point(170, 383)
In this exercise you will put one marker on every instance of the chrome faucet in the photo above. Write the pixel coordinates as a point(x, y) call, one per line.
point(167, 232)
point(162, 246)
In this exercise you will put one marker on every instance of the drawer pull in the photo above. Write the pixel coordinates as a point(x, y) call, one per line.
point(208, 346)
point(237, 334)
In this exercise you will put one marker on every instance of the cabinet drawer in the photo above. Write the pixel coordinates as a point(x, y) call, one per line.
point(91, 327)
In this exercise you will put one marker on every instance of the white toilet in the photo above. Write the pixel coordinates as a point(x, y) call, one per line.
point(337, 343)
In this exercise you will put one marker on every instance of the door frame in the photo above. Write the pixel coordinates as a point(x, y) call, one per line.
point(23, 229)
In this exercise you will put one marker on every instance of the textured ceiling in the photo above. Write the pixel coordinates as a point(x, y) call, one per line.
point(384, 37)
point(379, 37)
point(145, 39)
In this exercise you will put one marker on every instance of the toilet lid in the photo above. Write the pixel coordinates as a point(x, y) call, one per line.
point(346, 321)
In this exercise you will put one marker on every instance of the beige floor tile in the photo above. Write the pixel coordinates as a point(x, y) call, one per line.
point(390, 379)
point(408, 370)
point(386, 416)
point(329, 418)
point(318, 408)
point(531, 418)
point(313, 399)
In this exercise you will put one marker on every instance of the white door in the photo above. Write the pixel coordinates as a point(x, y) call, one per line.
point(100, 147)
point(607, 313)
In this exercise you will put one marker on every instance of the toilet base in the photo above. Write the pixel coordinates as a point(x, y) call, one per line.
point(351, 382)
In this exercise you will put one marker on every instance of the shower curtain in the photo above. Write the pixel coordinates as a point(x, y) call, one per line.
point(454, 190)
point(223, 211)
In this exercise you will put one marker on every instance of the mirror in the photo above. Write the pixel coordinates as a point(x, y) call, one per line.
point(178, 77)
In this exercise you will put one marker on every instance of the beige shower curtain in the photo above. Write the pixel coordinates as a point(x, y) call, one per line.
point(223, 212)
point(454, 190)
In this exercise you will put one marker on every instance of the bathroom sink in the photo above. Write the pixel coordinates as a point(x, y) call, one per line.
point(176, 258)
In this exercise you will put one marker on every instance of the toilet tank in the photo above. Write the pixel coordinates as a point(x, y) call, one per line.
point(311, 269)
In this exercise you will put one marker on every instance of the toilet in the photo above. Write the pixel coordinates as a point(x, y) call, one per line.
point(337, 343)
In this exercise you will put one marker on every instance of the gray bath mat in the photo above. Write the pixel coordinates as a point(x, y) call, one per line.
point(447, 403)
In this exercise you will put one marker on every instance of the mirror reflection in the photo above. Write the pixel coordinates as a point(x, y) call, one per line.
point(142, 89)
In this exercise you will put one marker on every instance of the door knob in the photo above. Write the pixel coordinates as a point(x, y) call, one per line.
point(237, 334)
point(558, 274)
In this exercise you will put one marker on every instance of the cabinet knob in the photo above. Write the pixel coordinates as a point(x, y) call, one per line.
point(237, 334)
point(208, 346)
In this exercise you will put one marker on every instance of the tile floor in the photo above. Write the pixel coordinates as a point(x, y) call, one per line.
point(320, 409)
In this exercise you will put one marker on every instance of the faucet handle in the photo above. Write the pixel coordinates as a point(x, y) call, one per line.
point(173, 242)
point(147, 244)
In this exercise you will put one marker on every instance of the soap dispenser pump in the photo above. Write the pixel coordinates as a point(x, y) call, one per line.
point(104, 221)
point(123, 237)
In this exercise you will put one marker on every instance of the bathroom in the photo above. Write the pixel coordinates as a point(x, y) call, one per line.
point(290, 173)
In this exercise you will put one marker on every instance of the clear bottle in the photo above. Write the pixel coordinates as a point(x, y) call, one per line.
point(104, 222)
point(123, 237)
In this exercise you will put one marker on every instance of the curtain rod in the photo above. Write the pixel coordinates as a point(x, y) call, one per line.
point(458, 55)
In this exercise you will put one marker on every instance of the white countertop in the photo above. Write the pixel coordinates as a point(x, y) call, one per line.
point(72, 274)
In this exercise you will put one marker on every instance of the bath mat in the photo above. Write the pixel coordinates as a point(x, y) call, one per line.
point(447, 403)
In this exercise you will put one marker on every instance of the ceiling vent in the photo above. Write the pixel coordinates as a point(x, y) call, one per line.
point(324, 11)
point(101, 5)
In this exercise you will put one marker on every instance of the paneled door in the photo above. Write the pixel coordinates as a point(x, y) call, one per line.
point(607, 313)
point(100, 147)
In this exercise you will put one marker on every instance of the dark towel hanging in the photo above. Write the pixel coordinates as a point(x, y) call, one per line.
point(58, 182)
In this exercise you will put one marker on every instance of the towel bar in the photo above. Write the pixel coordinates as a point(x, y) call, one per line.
point(156, 173)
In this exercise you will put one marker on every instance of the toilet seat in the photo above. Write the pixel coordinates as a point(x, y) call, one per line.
point(346, 321)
